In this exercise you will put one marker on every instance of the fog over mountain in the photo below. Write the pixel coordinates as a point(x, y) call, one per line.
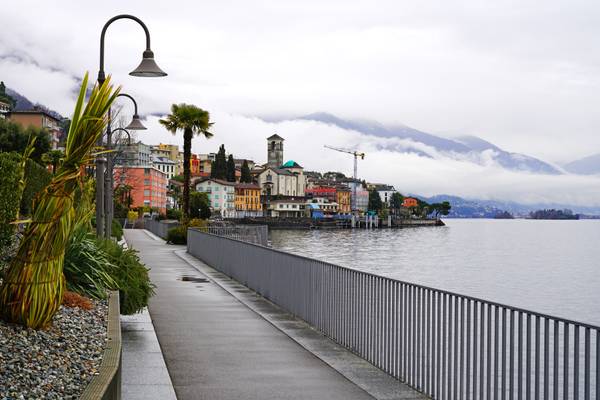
point(469, 148)
point(585, 166)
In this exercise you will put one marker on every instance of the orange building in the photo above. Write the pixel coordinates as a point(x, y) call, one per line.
point(149, 186)
point(247, 200)
point(344, 200)
point(39, 119)
point(410, 202)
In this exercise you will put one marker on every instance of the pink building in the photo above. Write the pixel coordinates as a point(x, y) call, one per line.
point(149, 185)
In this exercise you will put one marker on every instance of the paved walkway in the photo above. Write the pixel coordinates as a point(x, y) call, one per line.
point(217, 348)
point(144, 374)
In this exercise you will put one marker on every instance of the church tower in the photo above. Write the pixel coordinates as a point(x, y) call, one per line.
point(275, 151)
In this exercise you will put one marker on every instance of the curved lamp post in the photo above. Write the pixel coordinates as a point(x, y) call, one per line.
point(135, 124)
point(146, 68)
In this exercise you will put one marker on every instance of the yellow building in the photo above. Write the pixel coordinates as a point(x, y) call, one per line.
point(344, 200)
point(247, 200)
point(170, 151)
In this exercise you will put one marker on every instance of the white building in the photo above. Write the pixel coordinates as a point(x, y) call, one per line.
point(221, 195)
point(285, 179)
point(291, 208)
point(385, 193)
point(323, 204)
point(165, 165)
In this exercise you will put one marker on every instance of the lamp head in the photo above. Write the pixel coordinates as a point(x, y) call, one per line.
point(135, 124)
point(148, 67)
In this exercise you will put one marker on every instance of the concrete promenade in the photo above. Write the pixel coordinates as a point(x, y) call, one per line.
point(217, 348)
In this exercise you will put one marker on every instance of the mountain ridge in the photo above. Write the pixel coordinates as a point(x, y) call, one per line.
point(463, 145)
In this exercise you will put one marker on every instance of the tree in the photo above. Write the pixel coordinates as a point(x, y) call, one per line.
point(13, 137)
point(442, 208)
point(375, 203)
point(53, 157)
point(219, 166)
point(192, 121)
point(199, 205)
point(246, 176)
point(396, 201)
point(230, 170)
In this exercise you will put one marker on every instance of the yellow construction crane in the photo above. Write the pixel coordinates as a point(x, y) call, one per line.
point(356, 154)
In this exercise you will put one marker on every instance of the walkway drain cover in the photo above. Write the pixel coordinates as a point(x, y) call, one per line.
point(194, 279)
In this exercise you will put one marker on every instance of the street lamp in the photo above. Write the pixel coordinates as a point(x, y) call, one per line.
point(135, 124)
point(147, 68)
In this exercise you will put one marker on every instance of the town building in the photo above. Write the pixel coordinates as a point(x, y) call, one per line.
point(344, 200)
point(221, 195)
point(385, 192)
point(322, 205)
point(329, 193)
point(287, 208)
point(148, 185)
point(240, 161)
point(4, 109)
point(248, 200)
point(170, 151)
point(410, 202)
point(362, 195)
point(165, 165)
point(39, 119)
point(134, 154)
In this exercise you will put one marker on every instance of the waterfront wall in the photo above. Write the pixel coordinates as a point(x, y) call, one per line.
point(444, 344)
point(160, 228)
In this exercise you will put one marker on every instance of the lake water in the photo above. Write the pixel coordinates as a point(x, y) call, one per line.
point(548, 266)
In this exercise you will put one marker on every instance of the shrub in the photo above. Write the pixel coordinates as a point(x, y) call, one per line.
point(88, 270)
point(117, 229)
point(131, 275)
point(10, 196)
point(13, 137)
point(36, 179)
point(173, 213)
point(199, 205)
point(177, 235)
point(132, 215)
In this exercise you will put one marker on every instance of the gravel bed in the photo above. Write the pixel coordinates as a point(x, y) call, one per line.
point(56, 363)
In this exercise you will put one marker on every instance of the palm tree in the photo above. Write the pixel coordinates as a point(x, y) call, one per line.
point(53, 157)
point(192, 121)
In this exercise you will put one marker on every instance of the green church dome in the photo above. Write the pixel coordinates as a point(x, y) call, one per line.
point(291, 164)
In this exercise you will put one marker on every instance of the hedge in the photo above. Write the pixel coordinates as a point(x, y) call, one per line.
point(10, 196)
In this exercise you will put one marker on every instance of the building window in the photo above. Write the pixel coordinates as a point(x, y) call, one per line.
point(146, 192)
point(146, 182)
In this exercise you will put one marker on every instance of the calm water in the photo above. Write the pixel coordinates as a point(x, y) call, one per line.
point(547, 266)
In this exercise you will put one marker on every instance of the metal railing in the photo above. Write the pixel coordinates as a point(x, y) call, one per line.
point(257, 234)
point(446, 345)
point(160, 228)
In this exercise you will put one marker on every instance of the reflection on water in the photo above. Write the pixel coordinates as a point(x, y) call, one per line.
point(547, 266)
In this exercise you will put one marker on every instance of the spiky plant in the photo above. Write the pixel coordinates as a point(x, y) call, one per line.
point(34, 282)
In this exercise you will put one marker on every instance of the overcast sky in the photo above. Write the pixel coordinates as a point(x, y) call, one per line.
point(524, 75)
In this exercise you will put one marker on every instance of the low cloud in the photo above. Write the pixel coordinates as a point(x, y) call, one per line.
point(409, 172)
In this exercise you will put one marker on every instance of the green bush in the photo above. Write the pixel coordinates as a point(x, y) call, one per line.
point(177, 235)
point(131, 275)
point(13, 137)
point(36, 180)
point(10, 196)
point(117, 230)
point(173, 213)
point(93, 266)
point(88, 270)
